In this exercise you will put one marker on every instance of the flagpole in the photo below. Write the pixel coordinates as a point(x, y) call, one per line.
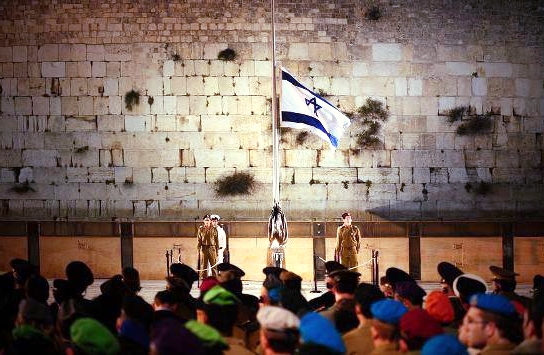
point(275, 119)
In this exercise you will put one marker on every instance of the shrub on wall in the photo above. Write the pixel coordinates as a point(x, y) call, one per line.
point(132, 98)
point(471, 123)
point(239, 183)
point(371, 115)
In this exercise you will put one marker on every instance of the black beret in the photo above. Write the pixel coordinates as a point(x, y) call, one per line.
point(184, 271)
point(230, 267)
point(344, 275)
point(396, 275)
point(502, 274)
point(331, 266)
point(273, 270)
point(538, 283)
point(448, 272)
point(79, 274)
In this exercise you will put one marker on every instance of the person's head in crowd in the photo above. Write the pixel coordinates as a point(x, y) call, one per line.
point(318, 332)
point(533, 319)
point(416, 327)
point(213, 342)
point(230, 280)
point(448, 273)
point(365, 295)
point(438, 305)
point(345, 282)
point(491, 319)
point(409, 293)
point(503, 280)
point(184, 272)
point(443, 344)
point(215, 219)
point(169, 338)
point(27, 339)
point(466, 285)
point(219, 309)
point(35, 314)
point(114, 289)
point(21, 270)
point(279, 331)
point(164, 300)
point(395, 275)
point(330, 267)
point(386, 314)
point(385, 287)
point(271, 281)
point(178, 286)
point(134, 323)
point(92, 338)
point(291, 280)
point(538, 287)
point(131, 279)
point(37, 287)
point(80, 276)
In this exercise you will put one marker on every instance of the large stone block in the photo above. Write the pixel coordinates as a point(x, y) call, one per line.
point(53, 69)
point(386, 52)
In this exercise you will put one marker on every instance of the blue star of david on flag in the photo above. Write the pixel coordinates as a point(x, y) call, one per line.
point(302, 108)
point(313, 101)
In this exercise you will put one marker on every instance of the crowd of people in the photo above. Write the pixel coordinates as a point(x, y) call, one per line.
point(352, 317)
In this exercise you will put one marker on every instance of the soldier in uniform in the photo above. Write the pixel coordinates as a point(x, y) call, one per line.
point(347, 242)
point(207, 242)
point(221, 236)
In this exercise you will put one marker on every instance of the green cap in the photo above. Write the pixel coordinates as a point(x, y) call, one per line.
point(93, 337)
point(209, 336)
point(220, 296)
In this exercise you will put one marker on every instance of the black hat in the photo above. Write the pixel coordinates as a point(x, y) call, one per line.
point(344, 275)
point(221, 267)
point(273, 270)
point(272, 279)
point(185, 272)
point(23, 268)
point(331, 266)
point(79, 275)
point(396, 275)
point(467, 285)
point(448, 272)
point(345, 214)
point(502, 274)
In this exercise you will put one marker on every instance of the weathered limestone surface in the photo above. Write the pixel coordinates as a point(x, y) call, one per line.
point(71, 147)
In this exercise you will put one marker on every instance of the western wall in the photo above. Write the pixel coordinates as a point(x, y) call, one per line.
point(76, 147)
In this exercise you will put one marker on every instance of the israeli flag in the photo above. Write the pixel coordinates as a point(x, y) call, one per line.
point(302, 108)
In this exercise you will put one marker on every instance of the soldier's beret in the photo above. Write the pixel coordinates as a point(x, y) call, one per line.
point(448, 272)
point(221, 267)
point(502, 274)
point(388, 310)
point(332, 265)
point(396, 275)
point(493, 303)
point(344, 275)
point(184, 271)
point(345, 214)
point(467, 285)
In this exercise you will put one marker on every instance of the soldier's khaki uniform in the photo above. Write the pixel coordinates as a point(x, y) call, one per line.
point(347, 245)
point(207, 244)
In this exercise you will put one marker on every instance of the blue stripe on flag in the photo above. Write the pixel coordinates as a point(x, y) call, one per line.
point(310, 121)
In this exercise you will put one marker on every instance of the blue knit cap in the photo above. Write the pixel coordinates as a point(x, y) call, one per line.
point(388, 310)
point(444, 344)
point(316, 329)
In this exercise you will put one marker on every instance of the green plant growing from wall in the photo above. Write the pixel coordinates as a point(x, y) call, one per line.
point(239, 183)
point(301, 137)
point(370, 115)
point(132, 98)
point(471, 123)
point(227, 54)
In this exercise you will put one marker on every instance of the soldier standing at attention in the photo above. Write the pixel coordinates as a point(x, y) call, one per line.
point(207, 246)
point(347, 242)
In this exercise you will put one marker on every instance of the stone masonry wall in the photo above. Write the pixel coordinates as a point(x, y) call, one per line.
point(70, 148)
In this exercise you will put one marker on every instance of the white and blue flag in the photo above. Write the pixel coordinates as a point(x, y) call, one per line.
point(302, 108)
